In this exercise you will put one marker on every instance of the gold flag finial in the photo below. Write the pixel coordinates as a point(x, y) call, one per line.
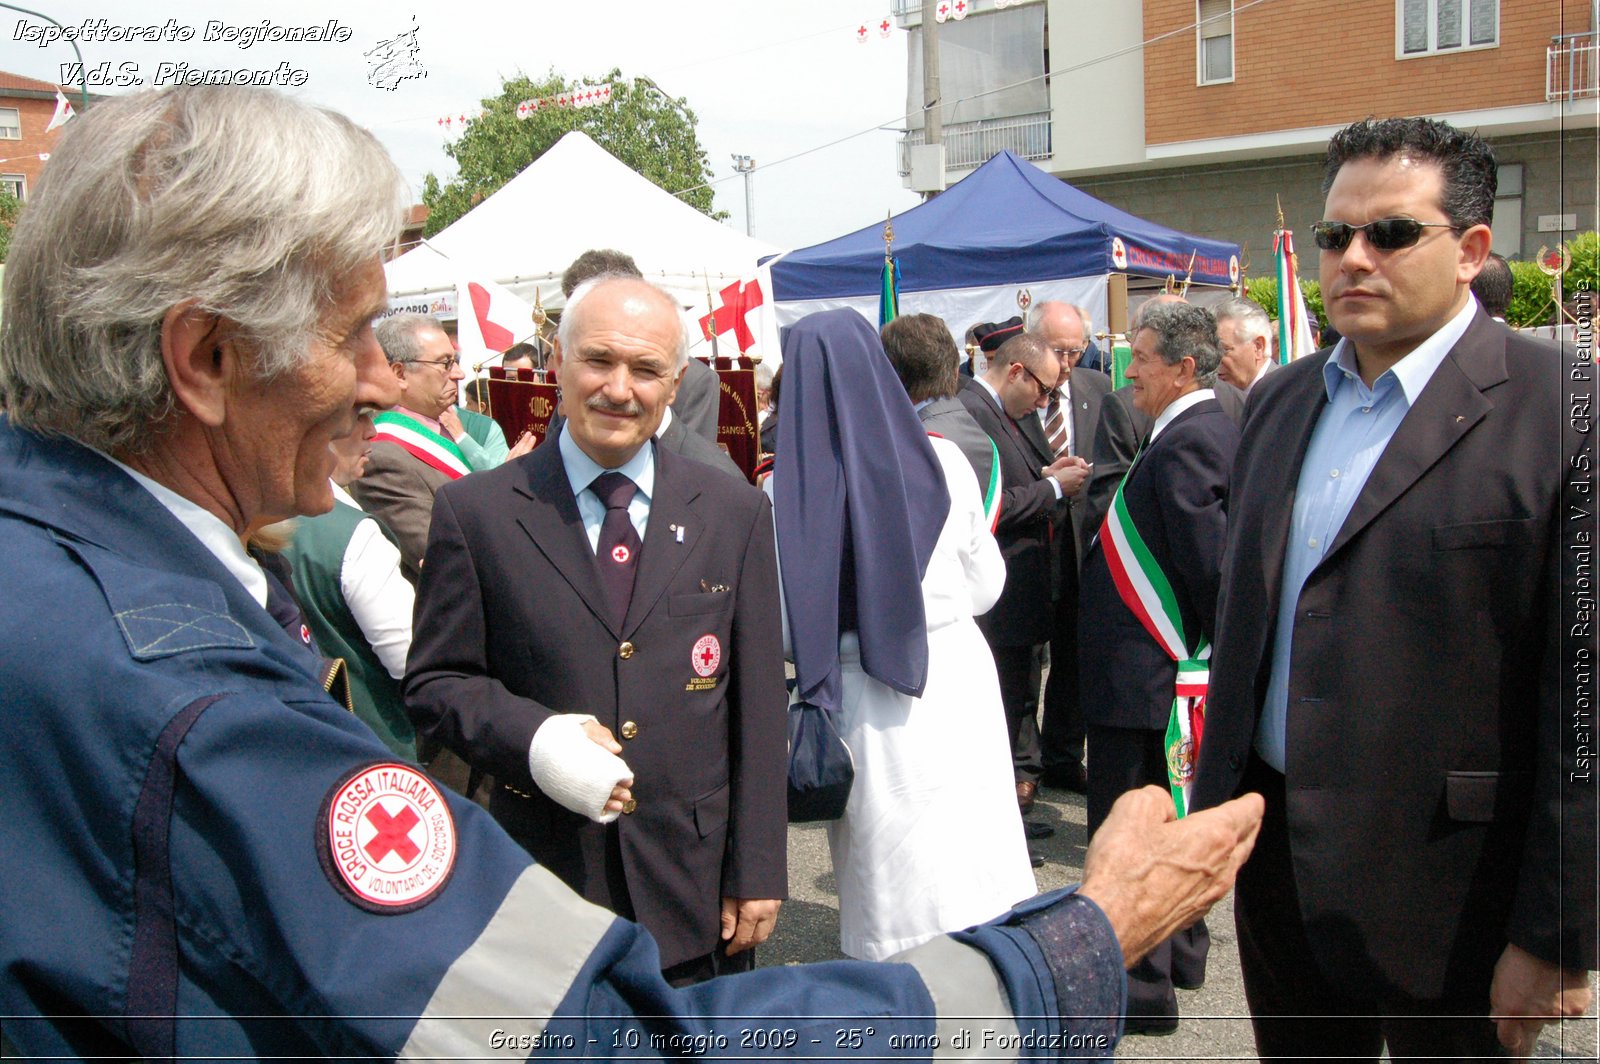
point(1280, 212)
point(888, 237)
point(711, 316)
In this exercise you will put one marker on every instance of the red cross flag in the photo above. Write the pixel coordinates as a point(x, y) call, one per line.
point(960, 10)
point(489, 320)
point(738, 300)
point(941, 13)
point(861, 33)
point(884, 27)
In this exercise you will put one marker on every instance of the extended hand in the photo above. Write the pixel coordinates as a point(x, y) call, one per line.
point(746, 922)
point(1152, 874)
point(1528, 993)
point(1071, 470)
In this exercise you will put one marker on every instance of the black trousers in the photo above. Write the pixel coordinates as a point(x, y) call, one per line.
point(1297, 1008)
point(1061, 733)
point(1126, 759)
point(1019, 669)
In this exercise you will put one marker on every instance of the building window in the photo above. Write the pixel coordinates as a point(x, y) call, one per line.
point(13, 184)
point(1432, 27)
point(10, 124)
point(1214, 38)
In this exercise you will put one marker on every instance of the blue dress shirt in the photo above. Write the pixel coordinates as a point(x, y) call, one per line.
point(1345, 445)
point(581, 471)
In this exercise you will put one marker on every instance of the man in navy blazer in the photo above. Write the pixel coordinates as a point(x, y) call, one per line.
point(1175, 499)
point(641, 756)
point(1387, 670)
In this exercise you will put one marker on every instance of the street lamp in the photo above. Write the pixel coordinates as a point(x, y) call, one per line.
point(745, 165)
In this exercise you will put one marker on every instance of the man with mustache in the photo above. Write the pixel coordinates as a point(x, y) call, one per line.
point(1387, 668)
point(597, 627)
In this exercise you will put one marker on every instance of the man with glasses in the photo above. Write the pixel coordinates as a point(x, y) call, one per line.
point(1066, 425)
point(1387, 668)
point(1022, 373)
point(413, 454)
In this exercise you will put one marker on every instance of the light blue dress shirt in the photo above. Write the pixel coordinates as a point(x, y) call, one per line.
point(1349, 438)
point(581, 471)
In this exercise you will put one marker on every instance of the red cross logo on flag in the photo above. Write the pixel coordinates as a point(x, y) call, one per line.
point(738, 300)
point(884, 27)
point(941, 13)
point(861, 34)
point(961, 10)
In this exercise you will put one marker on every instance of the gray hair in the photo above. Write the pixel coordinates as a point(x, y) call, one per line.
point(569, 314)
point(248, 204)
point(400, 336)
point(1035, 314)
point(1182, 329)
point(1249, 320)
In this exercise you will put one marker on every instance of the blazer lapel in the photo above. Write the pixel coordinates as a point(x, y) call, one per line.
point(1450, 404)
point(1298, 413)
point(663, 554)
point(1033, 432)
point(549, 515)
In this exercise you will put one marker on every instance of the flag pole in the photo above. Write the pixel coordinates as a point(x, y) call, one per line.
point(711, 312)
point(888, 292)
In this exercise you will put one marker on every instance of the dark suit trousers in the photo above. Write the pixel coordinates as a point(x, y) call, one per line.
point(1061, 733)
point(1300, 1010)
point(1018, 669)
point(1126, 759)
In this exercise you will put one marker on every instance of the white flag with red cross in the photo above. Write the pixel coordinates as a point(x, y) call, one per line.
point(489, 320)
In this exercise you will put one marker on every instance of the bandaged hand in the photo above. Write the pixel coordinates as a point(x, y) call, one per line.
point(577, 770)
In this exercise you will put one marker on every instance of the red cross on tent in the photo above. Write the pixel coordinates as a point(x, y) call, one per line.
point(737, 301)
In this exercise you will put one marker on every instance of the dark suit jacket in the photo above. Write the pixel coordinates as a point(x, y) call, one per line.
point(1177, 497)
point(1024, 614)
point(1089, 390)
point(1231, 400)
point(950, 419)
point(699, 400)
point(511, 627)
point(1116, 440)
point(680, 440)
point(398, 490)
point(1430, 813)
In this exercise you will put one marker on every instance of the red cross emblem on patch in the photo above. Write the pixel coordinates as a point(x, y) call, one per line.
point(387, 839)
point(706, 656)
point(620, 554)
point(305, 635)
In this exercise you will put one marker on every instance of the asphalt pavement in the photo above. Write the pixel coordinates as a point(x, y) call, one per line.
point(1215, 1023)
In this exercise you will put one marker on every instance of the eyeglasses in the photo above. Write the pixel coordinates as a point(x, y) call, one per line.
point(1044, 389)
point(448, 363)
point(1385, 234)
point(1070, 352)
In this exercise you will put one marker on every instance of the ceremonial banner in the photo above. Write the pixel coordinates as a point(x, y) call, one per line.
point(1294, 322)
point(521, 402)
point(737, 428)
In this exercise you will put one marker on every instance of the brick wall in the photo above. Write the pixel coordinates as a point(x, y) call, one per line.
point(1306, 63)
point(35, 115)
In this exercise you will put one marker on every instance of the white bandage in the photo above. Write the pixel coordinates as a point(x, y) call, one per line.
point(575, 771)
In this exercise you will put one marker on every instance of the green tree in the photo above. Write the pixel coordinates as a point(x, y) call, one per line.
point(10, 207)
point(651, 133)
point(1263, 291)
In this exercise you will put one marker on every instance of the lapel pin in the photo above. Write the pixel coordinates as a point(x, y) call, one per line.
point(677, 530)
point(1459, 420)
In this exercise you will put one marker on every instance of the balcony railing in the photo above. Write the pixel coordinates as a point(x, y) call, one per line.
point(971, 144)
point(1572, 70)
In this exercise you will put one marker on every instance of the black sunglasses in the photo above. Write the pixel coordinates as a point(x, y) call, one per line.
point(1385, 234)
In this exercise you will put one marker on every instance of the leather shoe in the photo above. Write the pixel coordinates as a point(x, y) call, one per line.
point(1037, 831)
point(1035, 858)
point(1069, 777)
point(1025, 792)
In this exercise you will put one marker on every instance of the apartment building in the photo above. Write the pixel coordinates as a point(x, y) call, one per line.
point(1203, 114)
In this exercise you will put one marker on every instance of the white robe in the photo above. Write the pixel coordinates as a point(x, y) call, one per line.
point(931, 840)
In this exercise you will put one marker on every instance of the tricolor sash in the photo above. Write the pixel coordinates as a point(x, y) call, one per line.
point(422, 443)
point(1148, 594)
point(991, 491)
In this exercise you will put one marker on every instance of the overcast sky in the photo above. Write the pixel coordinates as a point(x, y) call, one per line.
point(766, 80)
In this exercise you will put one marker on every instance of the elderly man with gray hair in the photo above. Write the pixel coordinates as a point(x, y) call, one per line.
point(1150, 581)
point(207, 856)
point(1245, 333)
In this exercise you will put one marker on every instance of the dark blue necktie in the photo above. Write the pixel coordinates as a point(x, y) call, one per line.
point(618, 550)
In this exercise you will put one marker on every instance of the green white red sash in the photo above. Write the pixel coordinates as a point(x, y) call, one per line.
point(422, 443)
point(1147, 593)
point(991, 493)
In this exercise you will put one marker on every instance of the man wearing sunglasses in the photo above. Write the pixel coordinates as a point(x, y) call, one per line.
point(413, 454)
point(1386, 670)
point(1022, 372)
